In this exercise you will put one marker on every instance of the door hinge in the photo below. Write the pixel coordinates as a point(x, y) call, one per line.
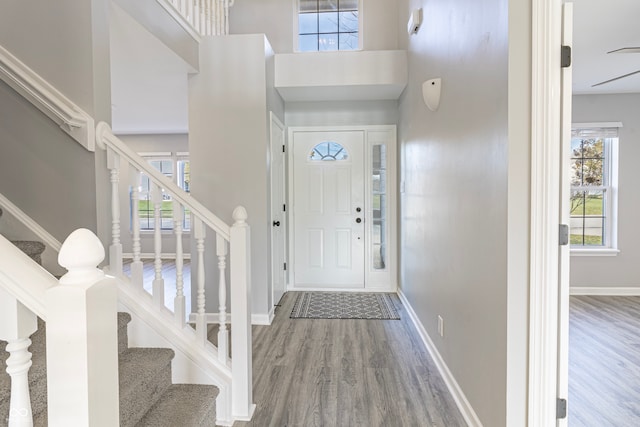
point(563, 235)
point(565, 56)
point(285, 266)
point(561, 408)
point(283, 148)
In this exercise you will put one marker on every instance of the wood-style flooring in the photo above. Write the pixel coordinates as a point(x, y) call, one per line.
point(334, 373)
point(604, 361)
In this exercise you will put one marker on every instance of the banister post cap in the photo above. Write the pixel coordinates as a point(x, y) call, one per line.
point(80, 253)
point(240, 214)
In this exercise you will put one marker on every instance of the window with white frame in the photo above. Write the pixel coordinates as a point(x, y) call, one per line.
point(165, 163)
point(326, 25)
point(594, 179)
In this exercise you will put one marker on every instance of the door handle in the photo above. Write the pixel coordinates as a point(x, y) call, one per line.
point(276, 223)
point(358, 220)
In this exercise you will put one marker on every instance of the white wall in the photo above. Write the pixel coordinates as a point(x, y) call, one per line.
point(460, 166)
point(621, 270)
point(229, 144)
point(341, 113)
point(275, 18)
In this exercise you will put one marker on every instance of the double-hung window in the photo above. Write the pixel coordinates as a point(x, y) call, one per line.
point(174, 166)
point(325, 25)
point(594, 179)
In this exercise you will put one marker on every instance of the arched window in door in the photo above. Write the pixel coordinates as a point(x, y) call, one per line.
point(328, 151)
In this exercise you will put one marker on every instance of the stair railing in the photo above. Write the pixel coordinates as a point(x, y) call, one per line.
point(81, 343)
point(206, 17)
point(232, 242)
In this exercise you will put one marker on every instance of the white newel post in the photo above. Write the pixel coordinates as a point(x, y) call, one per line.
point(223, 333)
point(17, 323)
point(82, 344)
point(240, 264)
point(115, 250)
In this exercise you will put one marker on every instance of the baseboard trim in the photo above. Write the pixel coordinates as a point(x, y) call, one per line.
point(605, 291)
point(256, 319)
point(463, 404)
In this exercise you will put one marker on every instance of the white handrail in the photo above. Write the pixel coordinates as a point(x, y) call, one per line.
point(105, 138)
point(17, 270)
point(71, 118)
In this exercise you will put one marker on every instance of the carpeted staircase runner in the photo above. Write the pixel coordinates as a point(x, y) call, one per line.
point(147, 396)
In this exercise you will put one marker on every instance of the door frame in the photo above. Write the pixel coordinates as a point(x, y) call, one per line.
point(274, 120)
point(546, 262)
point(375, 280)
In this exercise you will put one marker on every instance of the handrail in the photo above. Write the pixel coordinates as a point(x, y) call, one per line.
point(71, 118)
point(28, 222)
point(24, 279)
point(105, 138)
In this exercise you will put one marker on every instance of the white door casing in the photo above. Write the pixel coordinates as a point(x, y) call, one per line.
point(329, 210)
point(278, 215)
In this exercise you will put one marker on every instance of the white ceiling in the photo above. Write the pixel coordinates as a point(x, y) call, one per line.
point(601, 26)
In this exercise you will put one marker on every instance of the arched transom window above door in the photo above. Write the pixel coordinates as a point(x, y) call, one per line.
point(328, 151)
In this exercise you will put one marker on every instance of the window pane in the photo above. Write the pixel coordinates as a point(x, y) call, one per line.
point(594, 203)
point(308, 43)
point(592, 172)
point(576, 172)
point(327, 5)
point(348, 22)
point(348, 4)
point(307, 23)
point(576, 231)
point(308, 5)
point(593, 148)
point(348, 41)
point(328, 22)
point(577, 203)
point(379, 206)
point(328, 151)
point(328, 42)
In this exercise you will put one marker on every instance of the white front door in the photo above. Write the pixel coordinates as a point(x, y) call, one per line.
point(278, 218)
point(328, 211)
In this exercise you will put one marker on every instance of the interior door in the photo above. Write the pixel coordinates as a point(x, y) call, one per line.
point(278, 217)
point(328, 211)
point(564, 253)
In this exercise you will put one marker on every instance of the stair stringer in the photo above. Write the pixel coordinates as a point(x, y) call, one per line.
point(193, 363)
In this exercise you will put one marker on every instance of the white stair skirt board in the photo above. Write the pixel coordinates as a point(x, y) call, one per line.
point(605, 291)
point(467, 411)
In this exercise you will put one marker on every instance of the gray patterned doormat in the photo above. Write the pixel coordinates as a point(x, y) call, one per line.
point(344, 305)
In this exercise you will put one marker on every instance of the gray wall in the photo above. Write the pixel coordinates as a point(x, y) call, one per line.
point(621, 270)
point(457, 259)
point(342, 113)
point(275, 19)
point(67, 44)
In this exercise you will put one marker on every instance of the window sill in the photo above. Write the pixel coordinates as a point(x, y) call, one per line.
point(594, 252)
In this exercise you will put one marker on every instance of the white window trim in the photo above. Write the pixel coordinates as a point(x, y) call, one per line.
point(611, 232)
point(296, 44)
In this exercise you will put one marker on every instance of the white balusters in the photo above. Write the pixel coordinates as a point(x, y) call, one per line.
point(201, 320)
point(82, 342)
point(179, 301)
point(17, 323)
point(115, 250)
point(223, 333)
point(136, 265)
point(158, 281)
point(241, 370)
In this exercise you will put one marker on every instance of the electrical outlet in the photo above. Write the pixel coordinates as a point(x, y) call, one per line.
point(440, 326)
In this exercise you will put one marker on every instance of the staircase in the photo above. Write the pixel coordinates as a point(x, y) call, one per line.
point(147, 395)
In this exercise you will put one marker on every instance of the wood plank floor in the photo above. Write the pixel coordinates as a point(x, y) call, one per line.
point(333, 373)
point(604, 361)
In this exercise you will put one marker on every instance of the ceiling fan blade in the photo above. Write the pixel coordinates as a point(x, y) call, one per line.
point(615, 78)
point(626, 50)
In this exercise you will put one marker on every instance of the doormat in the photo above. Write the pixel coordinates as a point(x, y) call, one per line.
point(344, 305)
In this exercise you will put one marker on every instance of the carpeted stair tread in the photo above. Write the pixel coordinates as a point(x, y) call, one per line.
point(32, 248)
point(145, 373)
point(192, 405)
